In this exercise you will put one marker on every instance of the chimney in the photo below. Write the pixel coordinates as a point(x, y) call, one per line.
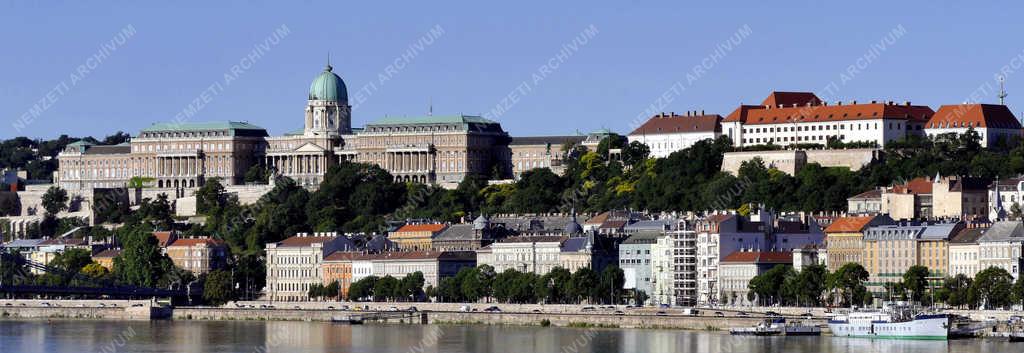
point(854, 102)
point(907, 103)
point(839, 102)
point(702, 112)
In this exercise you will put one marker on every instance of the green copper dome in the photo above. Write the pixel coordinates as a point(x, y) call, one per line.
point(328, 87)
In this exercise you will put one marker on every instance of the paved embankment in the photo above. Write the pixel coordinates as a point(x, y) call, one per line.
point(81, 309)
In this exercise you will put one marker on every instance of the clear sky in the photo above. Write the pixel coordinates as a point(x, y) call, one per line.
point(534, 63)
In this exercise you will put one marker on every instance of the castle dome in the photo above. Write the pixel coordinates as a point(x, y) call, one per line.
point(328, 86)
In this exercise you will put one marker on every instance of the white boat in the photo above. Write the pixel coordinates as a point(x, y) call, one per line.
point(770, 327)
point(797, 328)
point(895, 323)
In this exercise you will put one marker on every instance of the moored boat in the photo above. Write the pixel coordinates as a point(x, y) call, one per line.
point(771, 327)
point(892, 322)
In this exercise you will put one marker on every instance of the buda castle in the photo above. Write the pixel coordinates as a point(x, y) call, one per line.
point(182, 155)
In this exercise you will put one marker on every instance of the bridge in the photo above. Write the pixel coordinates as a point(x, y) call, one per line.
point(86, 287)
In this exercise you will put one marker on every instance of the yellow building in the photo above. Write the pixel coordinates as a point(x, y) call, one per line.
point(890, 250)
point(416, 236)
point(844, 239)
point(106, 258)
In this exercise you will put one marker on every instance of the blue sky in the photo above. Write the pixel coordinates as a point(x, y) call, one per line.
point(487, 51)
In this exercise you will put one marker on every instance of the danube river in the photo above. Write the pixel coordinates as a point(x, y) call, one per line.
point(258, 336)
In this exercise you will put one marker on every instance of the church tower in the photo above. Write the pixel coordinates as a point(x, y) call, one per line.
point(327, 110)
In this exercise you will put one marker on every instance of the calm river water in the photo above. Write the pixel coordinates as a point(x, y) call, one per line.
point(242, 336)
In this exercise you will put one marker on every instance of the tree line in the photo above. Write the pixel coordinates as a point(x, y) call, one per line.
point(993, 287)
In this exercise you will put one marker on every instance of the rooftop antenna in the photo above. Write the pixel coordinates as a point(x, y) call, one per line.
point(1002, 90)
point(329, 61)
point(430, 110)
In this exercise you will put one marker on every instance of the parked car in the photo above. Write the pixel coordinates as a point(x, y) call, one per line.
point(588, 308)
point(719, 314)
point(661, 313)
point(536, 310)
point(136, 305)
point(393, 308)
point(464, 308)
point(663, 306)
point(493, 309)
point(328, 308)
point(772, 313)
point(742, 313)
point(619, 312)
point(412, 309)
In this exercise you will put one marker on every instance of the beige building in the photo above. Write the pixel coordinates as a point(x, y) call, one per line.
point(295, 263)
point(539, 253)
point(844, 239)
point(197, 255)
point(1002, 246)
point(964, 252)
point(411, 237)
point(541, 152)
point(890, 250)
point(181, 155)
point(737, 269)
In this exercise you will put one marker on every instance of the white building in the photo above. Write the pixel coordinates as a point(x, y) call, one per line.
point(1001, 246)
point(964, 253)
point(992, 122)
point(667, 133)
point(722, 234)
point(1002, 200)
point(635, 261)
point(738, 268)
point(293, 264)
point(662, 271)
point(786, 118)
point(539, 254)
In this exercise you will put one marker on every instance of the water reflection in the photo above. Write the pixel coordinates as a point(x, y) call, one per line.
point(258, 337)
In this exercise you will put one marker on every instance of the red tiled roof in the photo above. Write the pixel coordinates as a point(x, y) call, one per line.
point(802, 113)
point(304, 241)
point(849, 224)
point(914, 186)
point(671, 124)
point(433, 228)
point(973, 115)
point(405, 255)
point(870, 194)
point(719, 218)
point(759, 257)
point(790, 98)
point(342, 256)
point(196, 241)
point(163, 238)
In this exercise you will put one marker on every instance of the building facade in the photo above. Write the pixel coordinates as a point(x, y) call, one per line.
point(182, 155)
point(667, 133)
point(995, 124)
point(294, 264)
point(635, 260)
point(787, 118)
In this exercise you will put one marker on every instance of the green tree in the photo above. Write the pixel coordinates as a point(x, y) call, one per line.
point(612, 280)
point(72, 260)
point(141, 263)
point(95, 270)
point(55, 200)
point(849, 281)
point(915, 280)
point(210, 198)
point(1018, 291)
point(411, 287)
point(993, 287)
point(583, 283)
point(385, 289)
point(218, 287)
